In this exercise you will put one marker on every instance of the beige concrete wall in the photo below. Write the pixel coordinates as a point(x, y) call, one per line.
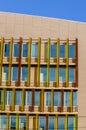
point(22, 25)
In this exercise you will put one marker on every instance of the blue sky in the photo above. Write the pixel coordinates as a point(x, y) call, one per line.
point(65, 9)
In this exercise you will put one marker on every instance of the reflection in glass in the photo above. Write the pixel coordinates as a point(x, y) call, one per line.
point(25, 50)
point(42, 122)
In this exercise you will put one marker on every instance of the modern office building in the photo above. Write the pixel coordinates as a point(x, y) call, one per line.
point(42, 73)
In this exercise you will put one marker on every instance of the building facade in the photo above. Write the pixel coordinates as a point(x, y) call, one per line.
point(39, 73)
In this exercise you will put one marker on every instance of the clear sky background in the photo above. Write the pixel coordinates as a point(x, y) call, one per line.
point(64, 9)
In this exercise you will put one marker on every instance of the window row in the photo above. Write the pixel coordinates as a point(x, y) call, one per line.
point(57, 98)
point(43, 74)
point(51, 122)
point(34, 50)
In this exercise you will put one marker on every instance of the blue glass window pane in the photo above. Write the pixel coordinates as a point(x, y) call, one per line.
point(74, 98)
point(71, 51)
point(12, 122)
point(18, 98)
point(71, 74)
point(5, 74)
point(62, 74)
point(43, 74)
point(51, 123)
point(52, 74)
point(24, 73)
point(42, 122)
point(9, 97)
point(22, 122)
point(16, 50)
point(28, 98)
point(66, 98)
point(61, 123)
point(25, 50)
point(53, 50)
point(34, 52)
point(15, 74)
point(6, 50)
point(62, 51)
point(48, 98)
point(57, 97)
point(3, 121)
point(71, 123)
point(37, 99)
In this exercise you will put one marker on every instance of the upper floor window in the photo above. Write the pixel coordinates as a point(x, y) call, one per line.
point(37, 98)
point(71, 74)
point(14, 73)
point(28, 98)
point(48, 98)
point(62, 74)
point(62, 51)
point(25, 50)
point(51, 123)
point(61, 123)
point(5, 73)
point(22, 122)
point(53, 50)
point(3, 121)
point(12, 122)
point(71, 123)
point(18, 98)
point(6, 50)
point(34, 50)
point(66, 98)
point(52, 74)
point(24, 73)
point(71, 51)
point(43, 73)
point(16, 50)
point(75, 98)
point(57, 98)
point(42, 122)
point(9, 98)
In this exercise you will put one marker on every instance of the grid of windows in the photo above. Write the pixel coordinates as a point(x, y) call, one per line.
point(50, 98)
point(35, 68)
point(20, 121)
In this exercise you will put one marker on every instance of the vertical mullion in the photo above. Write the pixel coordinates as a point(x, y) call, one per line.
point(42, 100)
point(76, 49)
point(36, 122)
point(57, 67)
point(52, 100)
point(7, 122)
point(4, 96)
point(67, 62)
point(19, 58)
point(47, 122)
point(27, 121)
point(10, 61)
point(71, 100)
point(76, 122)
point(66, 122)
point(17, 121)
point(33, 99)
point(62, 99)
point(13, 99)
point(38, 67)
point(48, 62)
point(23, 93)
point(29, 60)
point(1, 58)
